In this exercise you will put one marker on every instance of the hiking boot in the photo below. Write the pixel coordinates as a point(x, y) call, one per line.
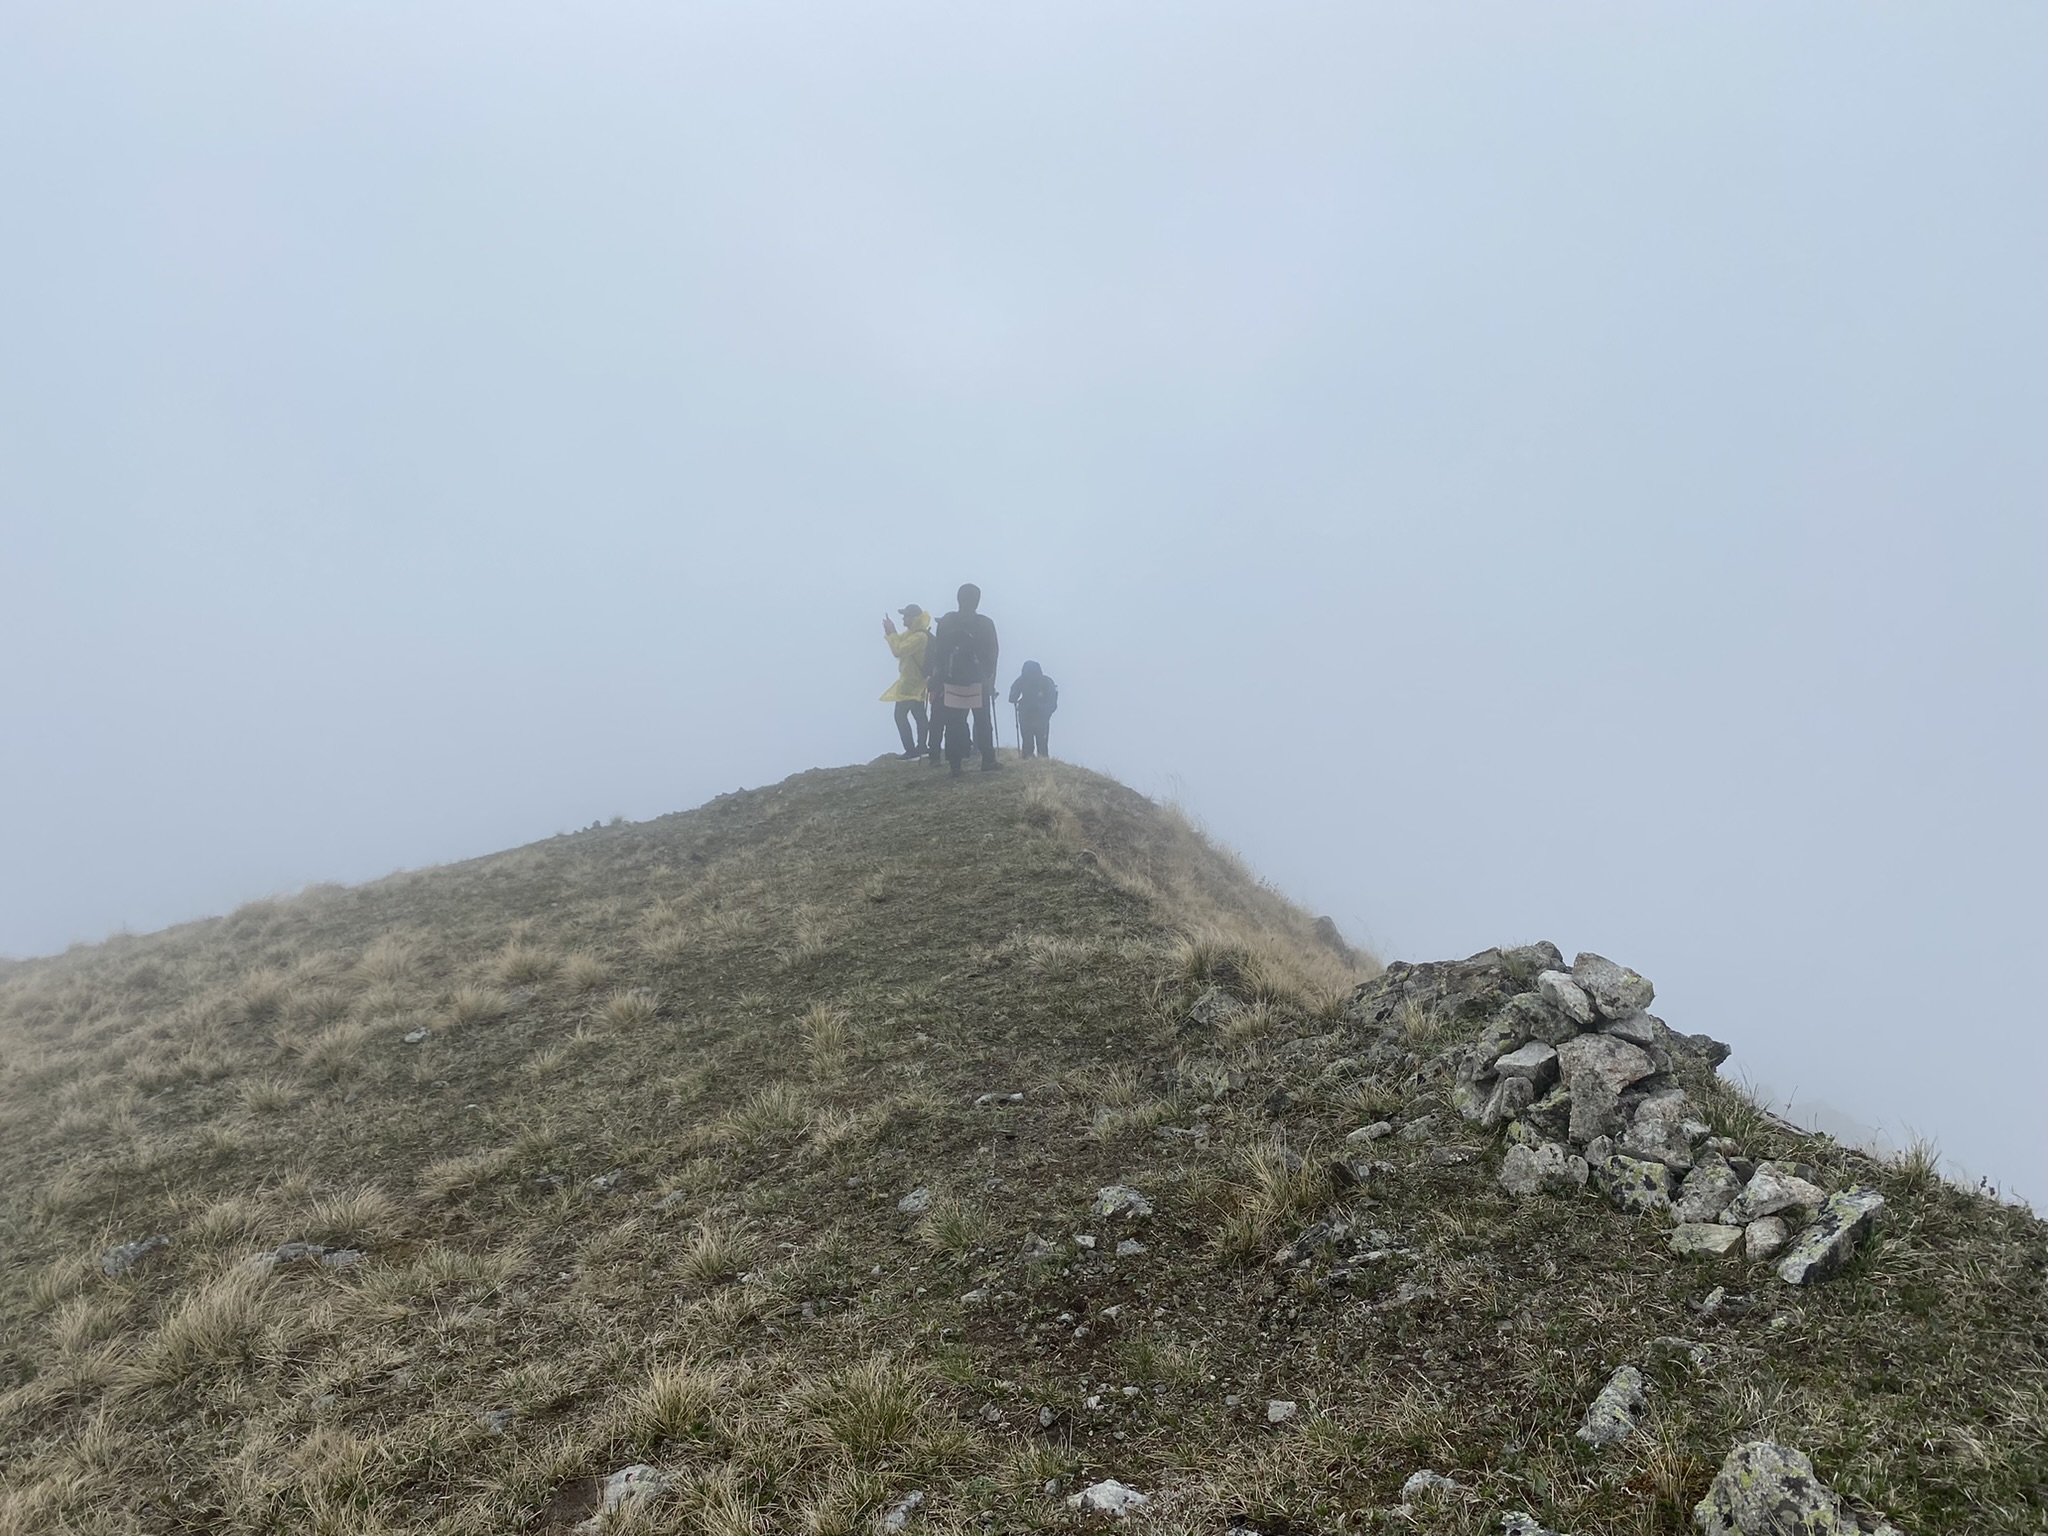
point(957, 772)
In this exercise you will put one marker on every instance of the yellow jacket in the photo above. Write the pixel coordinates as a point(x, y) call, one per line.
point(909, 646)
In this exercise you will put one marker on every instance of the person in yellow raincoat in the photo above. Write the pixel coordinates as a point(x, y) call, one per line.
point(907, 693)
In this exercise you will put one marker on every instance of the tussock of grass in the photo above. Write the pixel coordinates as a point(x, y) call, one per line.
point(717, 1252)
point(217, 1328)
point(955, 1230)
point(476, 1005)
point(677, 1402)
point(825, 1038)
point(453, 1177)
point(1273, 1188)
point(387, 961)
point(521, 964)
point(336, 1052)
point(585, 972)
point(869, 1409)
point(355, 1218)
point(267, 1096)
point(630, 1008)
point(774, 1113)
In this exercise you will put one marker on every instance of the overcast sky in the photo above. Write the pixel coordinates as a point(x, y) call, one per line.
point(1569, 471)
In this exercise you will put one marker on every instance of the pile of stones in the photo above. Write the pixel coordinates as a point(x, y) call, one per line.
point(1584, 1081)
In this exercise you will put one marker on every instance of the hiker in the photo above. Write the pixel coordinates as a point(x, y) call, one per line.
point(1035, 697)
point(908, 691)
point(962, 667)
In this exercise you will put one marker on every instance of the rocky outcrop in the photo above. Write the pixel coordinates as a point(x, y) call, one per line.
point(1768, 1489)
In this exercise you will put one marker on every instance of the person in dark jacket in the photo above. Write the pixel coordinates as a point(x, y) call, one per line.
point(1035, 696)
point(962, 659)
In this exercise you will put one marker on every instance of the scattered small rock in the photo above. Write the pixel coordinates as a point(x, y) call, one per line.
point(605, 1183)
point(1548, 1167)
point(496, 1421)
point(628, 1488)
point(1764, 1237)
point(983, 1101)
point(1612, 1417)
point(1615, 990)
point(1129, 1248)
point(1420, 1484)
point(116, 1262)
point(1562, 993)
point(417, 1037)
point(1691, 1352)
point(1108, 1497)
point(1535, 1061)
point(1845, 1219)
point(1373, 1132)
point(1279, 1411)
point(901, 1513)
point(1521, 1523)
point(1707, 1190)
point(1631, 1183)
point(1704, 1240)
point(916, 1203)
point(1772, 1190)
point(1120, 1200)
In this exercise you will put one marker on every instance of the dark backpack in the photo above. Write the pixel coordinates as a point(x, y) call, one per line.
point(963, 662)
point(1040, 696)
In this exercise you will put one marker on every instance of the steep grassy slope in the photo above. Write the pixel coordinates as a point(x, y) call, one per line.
point(635, 1197)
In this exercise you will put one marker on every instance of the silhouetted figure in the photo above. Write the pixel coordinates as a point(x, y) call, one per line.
point(962, 667)
point(907, 693)
point(1036, 696)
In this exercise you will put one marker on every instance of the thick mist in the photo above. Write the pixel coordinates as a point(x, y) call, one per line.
point(1574, 474)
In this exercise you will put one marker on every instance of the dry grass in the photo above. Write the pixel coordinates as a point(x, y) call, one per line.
point(630, 1008)
point(825, 1038)
point(956, 1230)
point(520, 964)
point(716, 1253)
point(220, 1327)
point(585, 972)
point(1274, 1189)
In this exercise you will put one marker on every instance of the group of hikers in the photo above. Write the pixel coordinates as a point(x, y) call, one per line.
point(951, 669)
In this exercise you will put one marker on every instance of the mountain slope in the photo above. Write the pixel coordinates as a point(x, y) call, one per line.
point(761, 1145)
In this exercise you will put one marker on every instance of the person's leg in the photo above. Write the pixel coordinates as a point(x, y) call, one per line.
point(1044, 730)
point(924, 726)
point(956, 738)
point(985, 736)
point(903, 727)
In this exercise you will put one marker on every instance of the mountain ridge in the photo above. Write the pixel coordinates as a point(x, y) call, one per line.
point(755, 1146)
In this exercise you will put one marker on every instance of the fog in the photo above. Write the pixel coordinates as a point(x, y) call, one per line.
point(1570, 472)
